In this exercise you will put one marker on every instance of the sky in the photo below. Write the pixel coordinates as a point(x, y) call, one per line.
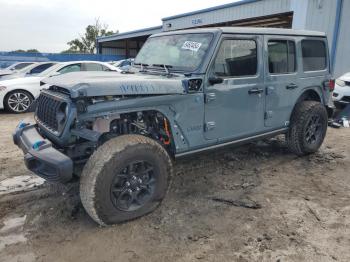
point(47, 25)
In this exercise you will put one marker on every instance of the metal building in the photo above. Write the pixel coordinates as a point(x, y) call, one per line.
point(329, 16)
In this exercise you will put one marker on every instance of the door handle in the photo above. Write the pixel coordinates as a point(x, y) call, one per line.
point(255, 91)
point(292, 86)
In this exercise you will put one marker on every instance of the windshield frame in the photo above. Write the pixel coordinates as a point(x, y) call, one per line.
point(176, 69)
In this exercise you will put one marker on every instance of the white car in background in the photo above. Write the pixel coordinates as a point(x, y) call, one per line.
point(14, 68)
point(31, 70)
point(16, 95)
point(341, 93)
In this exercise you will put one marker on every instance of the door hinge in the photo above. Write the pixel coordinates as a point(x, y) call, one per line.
point(209, 126)
point(210, 97)
point(268, 114)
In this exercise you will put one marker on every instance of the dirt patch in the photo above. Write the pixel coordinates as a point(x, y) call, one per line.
point(275, 207)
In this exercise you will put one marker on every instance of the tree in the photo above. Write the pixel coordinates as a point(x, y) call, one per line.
point(87, 43)
point(32, 51)
point(18, 51)
point(24, 51)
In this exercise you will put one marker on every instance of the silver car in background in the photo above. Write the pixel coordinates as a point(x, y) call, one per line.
point(32, 70)
point(14, 68)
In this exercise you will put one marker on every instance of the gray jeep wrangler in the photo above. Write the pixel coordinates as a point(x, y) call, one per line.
point(188, 91)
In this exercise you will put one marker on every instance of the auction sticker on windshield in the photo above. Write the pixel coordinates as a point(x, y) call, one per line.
point(193, 46)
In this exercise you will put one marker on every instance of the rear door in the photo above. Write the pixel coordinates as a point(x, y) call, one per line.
point(282, 82)
point(234, 108)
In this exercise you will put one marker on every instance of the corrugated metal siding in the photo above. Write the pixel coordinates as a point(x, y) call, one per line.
point(250, 10)
point(113, 51)
point(321, 17)
point(131, 34)
point(300, 13)
point(342, 62)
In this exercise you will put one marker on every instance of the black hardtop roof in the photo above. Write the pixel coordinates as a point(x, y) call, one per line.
point(247, 30)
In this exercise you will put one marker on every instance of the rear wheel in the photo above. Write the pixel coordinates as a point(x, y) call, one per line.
point(18, 101)
point(127, 177)
point(308, 128)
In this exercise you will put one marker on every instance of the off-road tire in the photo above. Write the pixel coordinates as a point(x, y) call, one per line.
point(23, 93)
point(297, 133)
point(99, 174)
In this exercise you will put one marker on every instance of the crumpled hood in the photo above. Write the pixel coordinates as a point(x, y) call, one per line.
point(91, 84)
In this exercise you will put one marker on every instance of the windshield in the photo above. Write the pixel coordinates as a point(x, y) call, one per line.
point(50, 70)
point(179, 52)
point(20, 66)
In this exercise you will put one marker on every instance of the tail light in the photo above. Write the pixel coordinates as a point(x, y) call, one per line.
point(330, 84)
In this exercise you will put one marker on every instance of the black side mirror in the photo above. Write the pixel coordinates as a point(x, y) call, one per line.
point(215, 80)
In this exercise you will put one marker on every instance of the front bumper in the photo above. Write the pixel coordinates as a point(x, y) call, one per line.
point(2, 96)
point(40, 156)
point(341, 95)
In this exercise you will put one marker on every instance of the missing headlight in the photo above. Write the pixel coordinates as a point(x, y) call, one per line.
point(62, 113)
point(81, 106)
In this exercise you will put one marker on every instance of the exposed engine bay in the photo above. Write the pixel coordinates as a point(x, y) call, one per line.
point(147, 123)
point(151, 123)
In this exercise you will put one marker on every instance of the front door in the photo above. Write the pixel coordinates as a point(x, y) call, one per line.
point(235, 93)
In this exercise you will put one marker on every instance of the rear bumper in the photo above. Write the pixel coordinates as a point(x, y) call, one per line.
point(40, 156)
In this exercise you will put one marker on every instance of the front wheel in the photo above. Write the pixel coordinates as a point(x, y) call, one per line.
point(127, 177)
point(308, 128)
point(18, 101)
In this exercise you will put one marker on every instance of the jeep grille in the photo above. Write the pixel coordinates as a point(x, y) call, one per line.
point(47, 112)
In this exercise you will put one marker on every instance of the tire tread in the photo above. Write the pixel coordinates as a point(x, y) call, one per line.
point(294, 136)
point(92, 170)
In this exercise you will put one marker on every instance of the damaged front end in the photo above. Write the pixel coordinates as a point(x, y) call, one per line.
point(73, 120)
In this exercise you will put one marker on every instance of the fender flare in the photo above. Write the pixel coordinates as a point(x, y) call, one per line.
point(313, 93)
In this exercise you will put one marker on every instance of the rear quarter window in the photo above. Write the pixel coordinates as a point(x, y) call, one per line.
point(93, 67)
point(314, 55)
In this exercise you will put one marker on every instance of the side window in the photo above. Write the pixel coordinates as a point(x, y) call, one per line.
point(125, 63)
point(314, 55)
point(282, 59)
point(93, 67)
point(105, 68)
point(70, 68)
point(236, 58)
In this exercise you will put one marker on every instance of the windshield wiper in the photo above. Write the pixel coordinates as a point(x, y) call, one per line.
point(166, 67)
point(142, 65)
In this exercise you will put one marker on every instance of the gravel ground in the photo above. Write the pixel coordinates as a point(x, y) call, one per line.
point(253, 203)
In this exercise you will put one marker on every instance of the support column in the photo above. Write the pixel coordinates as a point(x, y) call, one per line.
point(127, 51)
